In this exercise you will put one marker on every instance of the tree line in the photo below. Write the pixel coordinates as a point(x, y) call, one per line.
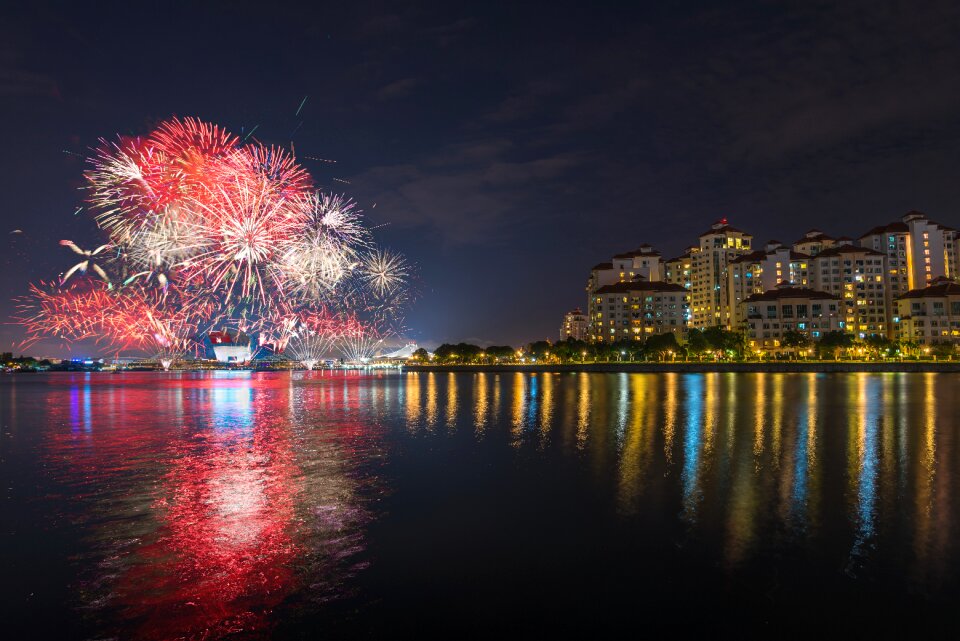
point(712, 343)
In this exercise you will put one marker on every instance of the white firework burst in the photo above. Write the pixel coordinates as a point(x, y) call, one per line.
point(385, 272)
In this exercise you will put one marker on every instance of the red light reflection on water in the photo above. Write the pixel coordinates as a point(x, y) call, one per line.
point(225, 539)
point(232, 515)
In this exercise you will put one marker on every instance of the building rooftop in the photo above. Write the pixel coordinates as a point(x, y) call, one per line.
point(643, 250)
point(785, 290)
point(602, 266)
point(938, 288)
point(761, 255)
point(813, 236)
point(892, 228)
point(721, 227)
point(840, 250)
point(641, 286)
point(750, 258)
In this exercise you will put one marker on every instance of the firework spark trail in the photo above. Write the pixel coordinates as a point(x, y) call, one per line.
point(315, 337)
point(207, 231)
point(84, 265)
point(358, 340)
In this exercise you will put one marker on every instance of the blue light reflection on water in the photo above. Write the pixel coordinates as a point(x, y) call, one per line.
point(231, 399)
point(692, 442)
point(81, 416)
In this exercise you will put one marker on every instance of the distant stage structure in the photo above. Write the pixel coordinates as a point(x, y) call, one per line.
point(403, 353)
point(229, 348)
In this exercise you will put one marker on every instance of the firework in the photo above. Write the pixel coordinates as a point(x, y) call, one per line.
point(205, 231)
point(358, 340)
point(315, 338)
point(84, 265)
point(322, 259)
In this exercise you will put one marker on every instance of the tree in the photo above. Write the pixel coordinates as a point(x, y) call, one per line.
point(830, 342)
point(539, 349)
point(697, 343)
point(660, 344)
point(943, 350)
point(570, 349)
point(421, 356)
point(878, 345)
point(724, 340)
point(501, 352)
point(908, 347)
point(794, 340)
point(625, 349)
point(444, 353)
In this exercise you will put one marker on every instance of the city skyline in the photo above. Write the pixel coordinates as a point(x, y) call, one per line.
point(896, 281)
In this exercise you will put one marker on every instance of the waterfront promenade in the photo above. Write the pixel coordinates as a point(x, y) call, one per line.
point(712, 366)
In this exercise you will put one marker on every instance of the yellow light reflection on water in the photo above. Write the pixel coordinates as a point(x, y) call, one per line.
point(431, 411)
point(583, 409)
point(412, 398)
point(451, 400)
point(518, 406)
point(480, 406)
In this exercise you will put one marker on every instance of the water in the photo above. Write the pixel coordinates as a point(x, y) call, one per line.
point(255, 505)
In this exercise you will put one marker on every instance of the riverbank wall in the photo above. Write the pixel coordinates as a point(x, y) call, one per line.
point(687, 367)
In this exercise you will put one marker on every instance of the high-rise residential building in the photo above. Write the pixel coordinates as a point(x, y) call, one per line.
point(600, 274)
point(857, 275)
point(918, 251)
point(717, 247)
point(762, 271)
point(644, 262)
point(951, 237)
point(814, 242)
point(677, 270)
point(931, 314)
point(574, 326)
point(785, 308)
point(633, 310)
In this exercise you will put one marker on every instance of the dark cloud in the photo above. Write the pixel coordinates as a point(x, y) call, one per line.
point(398, 88)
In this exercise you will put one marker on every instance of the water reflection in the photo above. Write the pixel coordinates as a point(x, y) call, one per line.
point(212, 504)
point(202, 527)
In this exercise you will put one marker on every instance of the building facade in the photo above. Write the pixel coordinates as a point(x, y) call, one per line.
point(918, 251)
point(814, 242)
point(931, 315)
point(574, 326)
point(761, 271)
point(637, 309)
point(677, 270)
point(770, 315)
point(857, 276)
point(718, 246)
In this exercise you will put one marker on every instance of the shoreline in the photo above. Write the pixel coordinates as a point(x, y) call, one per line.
point(687, 367)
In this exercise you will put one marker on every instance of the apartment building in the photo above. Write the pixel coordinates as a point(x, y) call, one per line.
point(762, 271)
point(574, 326)
point(857, 275)
point(718, 246)
point(931, 314)
point(633, 310)
point(677, 270)
point(785, 308)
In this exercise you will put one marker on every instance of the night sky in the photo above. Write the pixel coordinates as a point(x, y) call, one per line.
point(506, 147)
